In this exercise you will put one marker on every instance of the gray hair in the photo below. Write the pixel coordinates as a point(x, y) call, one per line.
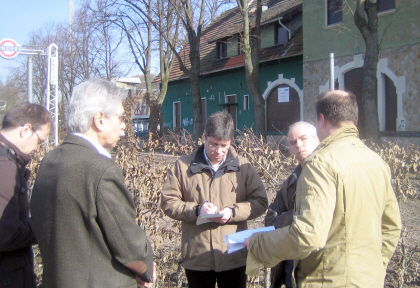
point(220, 125)
point(308, 126)
point(90, 97)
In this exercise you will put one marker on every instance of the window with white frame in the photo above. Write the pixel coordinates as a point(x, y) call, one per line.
point(177, 115)
point(246, 102)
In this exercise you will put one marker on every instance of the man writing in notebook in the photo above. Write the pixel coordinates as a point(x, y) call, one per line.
point(213, 179)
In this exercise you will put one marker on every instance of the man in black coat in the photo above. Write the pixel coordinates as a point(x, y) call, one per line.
point(302, 140)
point(24, 127)
point(83, 214)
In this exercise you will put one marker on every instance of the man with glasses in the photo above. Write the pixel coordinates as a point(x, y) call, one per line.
point(24, 127)
point(83, 214)
point(213, 179)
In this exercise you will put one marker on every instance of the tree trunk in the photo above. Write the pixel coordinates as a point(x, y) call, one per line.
point(250, 48)
point(366, 20)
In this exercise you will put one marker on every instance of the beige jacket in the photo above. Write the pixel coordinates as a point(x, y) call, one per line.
point(236, 185)
point(346, 223)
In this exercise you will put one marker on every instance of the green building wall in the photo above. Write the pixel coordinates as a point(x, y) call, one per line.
point(216, 86)
point(396, 28)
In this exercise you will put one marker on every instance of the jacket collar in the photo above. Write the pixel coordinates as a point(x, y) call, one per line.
point(199, 163)
point(76, 140)
point(343, 132)
point(296, 174)
point(21, 158)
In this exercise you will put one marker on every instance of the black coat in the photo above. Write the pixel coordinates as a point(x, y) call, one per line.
point(16, 233)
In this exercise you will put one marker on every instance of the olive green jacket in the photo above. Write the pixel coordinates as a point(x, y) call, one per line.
point(191, 182)
point(346, 223)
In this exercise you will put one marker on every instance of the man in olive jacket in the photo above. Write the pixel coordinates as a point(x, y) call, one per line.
point(213, 179)
point(24, 127)
point(82, 212)
point(346, 223)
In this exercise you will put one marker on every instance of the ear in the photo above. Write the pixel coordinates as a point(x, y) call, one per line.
point(322, 120)
point(203, 138)
point(26, 131)
point(98, 121)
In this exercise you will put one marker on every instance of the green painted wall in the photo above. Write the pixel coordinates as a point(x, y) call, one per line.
point(230, 82)
point(395, 29)
point(267, 36)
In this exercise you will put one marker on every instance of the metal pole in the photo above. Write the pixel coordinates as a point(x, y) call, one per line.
point(332, 71)
point(29, 79)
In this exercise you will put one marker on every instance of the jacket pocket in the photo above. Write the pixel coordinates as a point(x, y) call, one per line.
point(307, 211)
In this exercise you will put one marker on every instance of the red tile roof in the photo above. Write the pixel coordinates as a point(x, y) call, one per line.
point(228, 24)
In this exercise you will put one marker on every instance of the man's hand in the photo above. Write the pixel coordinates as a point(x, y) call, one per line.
point(247, 243)
point(141, 283)
point(227, 213)
point(208, 208)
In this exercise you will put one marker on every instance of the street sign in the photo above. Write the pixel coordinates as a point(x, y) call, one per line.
point(9, 48)
point(137, 111)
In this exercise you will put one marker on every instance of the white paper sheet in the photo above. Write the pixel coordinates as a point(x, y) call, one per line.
point(204, 218)
point(235, 240)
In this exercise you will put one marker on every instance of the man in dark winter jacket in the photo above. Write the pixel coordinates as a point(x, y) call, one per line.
point(24, 127)
point(302, 140)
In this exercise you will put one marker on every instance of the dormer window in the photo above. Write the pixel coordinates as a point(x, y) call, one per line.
point(280, 35)
point(221, 49)
point(334, 12)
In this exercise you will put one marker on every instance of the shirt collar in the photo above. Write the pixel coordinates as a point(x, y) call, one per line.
point(99, 148)
point(214, 167)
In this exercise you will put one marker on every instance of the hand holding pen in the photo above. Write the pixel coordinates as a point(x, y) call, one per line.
point(208, 208)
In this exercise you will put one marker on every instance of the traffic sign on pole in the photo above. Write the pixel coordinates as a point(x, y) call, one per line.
point(9, 48)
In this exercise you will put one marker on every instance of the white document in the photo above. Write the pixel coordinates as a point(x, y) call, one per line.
point(235, 240)
point(204, 218)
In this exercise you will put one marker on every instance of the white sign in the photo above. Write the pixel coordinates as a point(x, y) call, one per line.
point(9, 48)
point(283, 94)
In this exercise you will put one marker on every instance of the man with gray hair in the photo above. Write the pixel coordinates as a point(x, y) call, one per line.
point(302, 140)
point(83, 214)
point(213, 179)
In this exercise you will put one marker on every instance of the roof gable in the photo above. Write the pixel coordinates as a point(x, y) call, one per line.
point(230, 23)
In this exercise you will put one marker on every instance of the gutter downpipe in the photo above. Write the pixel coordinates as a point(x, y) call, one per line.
point(332, 78)
point(282, 25)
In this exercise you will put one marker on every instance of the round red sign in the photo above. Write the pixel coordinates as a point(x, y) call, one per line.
point(9, 48)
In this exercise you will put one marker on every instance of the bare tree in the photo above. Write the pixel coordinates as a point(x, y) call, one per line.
point(250, 47)
point(366, 20)
point(193, 26)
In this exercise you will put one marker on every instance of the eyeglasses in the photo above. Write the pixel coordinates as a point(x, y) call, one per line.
point(121, 117)
point(39, 139)
point(223, 147)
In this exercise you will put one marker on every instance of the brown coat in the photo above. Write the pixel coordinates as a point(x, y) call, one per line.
point(16, 233)
point(236, 185)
